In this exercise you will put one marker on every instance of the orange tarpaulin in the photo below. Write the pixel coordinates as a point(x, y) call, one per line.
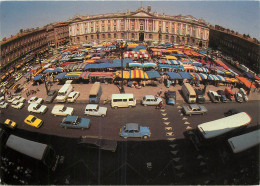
point(245, 81)
point(221, 64)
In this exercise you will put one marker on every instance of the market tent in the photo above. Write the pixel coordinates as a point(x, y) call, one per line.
point(171, 57)
point(80, 66)
point(231, 80)
point(197, 64)
point(164, 66)
point(163, 61)
point(153, 74)
point(84, 75)
point(249, 75)
point(220, 63)
point(196, 76)
point(60, 76)
point(201, 69)
point(213, 77)
point(101, 74)
point(189, 67)
point(126, 74)
point(246, 82)
point(203, 76)
point(150, 65)
point(135, 65)
point(37, 78)
point(175, 62)
point(58, 69)
point(72, 75)
point(174, 75)
point(221, 78)
point(49, 70)
point(185, 75)
point(138, 74)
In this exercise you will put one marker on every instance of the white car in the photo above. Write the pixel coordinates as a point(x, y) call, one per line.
point(3, 105)
point(73, 96)
point(17, 104)
point(20, 99)
point(151, 100)
point(35, 100)
point(10, 99)
point(37, 108)
point(2, 98)
point(18, 77)
point(62, 110)
point(95, 110)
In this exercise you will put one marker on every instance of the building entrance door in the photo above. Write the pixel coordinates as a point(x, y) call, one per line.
point(141, 36)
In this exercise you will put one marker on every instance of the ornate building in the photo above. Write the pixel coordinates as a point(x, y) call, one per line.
point(241, 47)
point(141, 25)
point(57, 34)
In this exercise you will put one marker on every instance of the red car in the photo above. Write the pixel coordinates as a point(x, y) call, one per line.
point(229, 93)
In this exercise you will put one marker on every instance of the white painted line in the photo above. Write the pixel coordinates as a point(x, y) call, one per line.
point(165, 118)
point(184, 118)
point(176, 159)
point(173, 145)
point(168, 128)
point(186, 123)
point(188, 128)
point(174, 152)
point(169, 134)
point(171, 139)
point(178, 167)
point(166, 123)
point(164, 114)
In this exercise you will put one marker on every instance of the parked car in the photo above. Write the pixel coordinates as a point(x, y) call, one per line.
point(10, 99)
point(243, 93)
point(199, 96)
point(73, 96)
point(151, 100)
point(170, 97)
point(2, 98)
point(194, 109)
point(10, 124)
point(35, 100)
point(75, 122)
point(20, 99)
point(223, 97)
point(18, 77)
point(37, 108)
point(33, 121)
point(62, 110)
point(51, 96)
point(214, 97)
point(95, 110)
point(17, 104)
point(238, 97)
point(3, 105)
point(229, 93)
point(231, 112)
point(134, 130)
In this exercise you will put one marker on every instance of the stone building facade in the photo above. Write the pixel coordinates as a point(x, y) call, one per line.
point(242, 48)
point(26, 43)
point(141, 25)
point(57, 34)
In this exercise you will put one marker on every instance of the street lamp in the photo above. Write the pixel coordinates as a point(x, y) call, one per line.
point(44, 78)
point(121, 49)
point(210, 60)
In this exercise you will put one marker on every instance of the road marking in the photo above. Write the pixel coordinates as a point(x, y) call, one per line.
point(166, 123)
point(169, 134)
point(174, 152)
point(165, 118)
point(186, 123)
point(171, 139)
point(164, 114)
point(178, 167)
point(162, 110)
point(173, 145)
point(168, 128)
point(176, 159)
point(179, 107)
point(188, 128)
point(179, 110)
point(184, 118)
point(181, 114)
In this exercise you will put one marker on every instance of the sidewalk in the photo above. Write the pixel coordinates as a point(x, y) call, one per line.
point(110, 89)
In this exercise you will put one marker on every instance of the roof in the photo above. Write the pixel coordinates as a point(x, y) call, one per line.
point(174, 75)
point(153, 74)
point(121, 96)
point(131, 126)
point(149, 97)
point(194, 106)
point(71, 118)
point(91, 106)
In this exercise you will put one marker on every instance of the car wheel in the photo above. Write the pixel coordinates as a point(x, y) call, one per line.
point(145, 137)
point(102, 115)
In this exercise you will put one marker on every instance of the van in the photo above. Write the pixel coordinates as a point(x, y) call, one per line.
point(95, 93)
point(39, 151)
point(123, 100)
point(188, 93)
point(64, 92)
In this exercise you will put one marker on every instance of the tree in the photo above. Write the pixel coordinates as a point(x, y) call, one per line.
point(21, 30)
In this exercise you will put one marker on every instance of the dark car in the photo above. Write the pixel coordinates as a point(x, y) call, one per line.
point(200, 97)
point(231, 112)
point(223, 97)
point(75, 122)
point(96, 143)
point(51, 96)
point(170, 97)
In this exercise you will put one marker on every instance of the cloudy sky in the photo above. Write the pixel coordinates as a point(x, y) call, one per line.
point(241, 16)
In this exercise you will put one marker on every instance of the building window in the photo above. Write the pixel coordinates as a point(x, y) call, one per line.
point(114, 27)
point(103, 28)
point(109, 35)
point(166, 37)
point(150, 28)
point(92, 29)
point(78, 38)
point(150, 36)
point(97, 29)
point(141, 27)
point(172, 29)
point(167, 29)
point(133, 27)
point(103, 21)
point(86, 37)
point(122, 27)
point(115, 35)
point(86, 30)
point(109, 28)
point(160, 22)
point(103, 36)
point(92, 37)
point(114, 21)
point(108, 21)
point(122, 35)
point(133, 35)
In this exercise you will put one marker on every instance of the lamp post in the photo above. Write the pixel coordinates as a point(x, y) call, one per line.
point(160, 35)
point(44, 78)
point(205, 86)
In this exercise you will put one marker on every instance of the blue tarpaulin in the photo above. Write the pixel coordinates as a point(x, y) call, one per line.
point(149, 65)
point(153, 74)
point(37, 78)
point(174, 75)
point(186, 75)
point(61, 75)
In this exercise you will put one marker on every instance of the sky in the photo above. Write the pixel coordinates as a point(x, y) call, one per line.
point(240, 16)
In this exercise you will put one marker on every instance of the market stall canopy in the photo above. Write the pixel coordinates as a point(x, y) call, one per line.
point(102, 74)
point(201, 69)
point(203, 76)
point(126, 74)
point(196, 76)
point(185, 75)
point(49, 70)
point(175, 62)
point(138, 74)
point(174, 75)
point(72, 75)
point(37, 78)
point(60, 76)
point(246, 82)
point(153, 74)
point(58, 69)
point(84, 75)
point(170, 57)
point(146, 65)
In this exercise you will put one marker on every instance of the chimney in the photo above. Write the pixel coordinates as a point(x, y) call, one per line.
point(149, 8)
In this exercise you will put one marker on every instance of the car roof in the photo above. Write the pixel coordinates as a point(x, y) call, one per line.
point(71, 118)
point(91, 106)
point(131, 126)
point(149, 97)
point(194, 106)
point(171, 92)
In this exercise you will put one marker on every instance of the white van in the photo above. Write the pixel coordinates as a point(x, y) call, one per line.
point(123, 100)
point(64, 92)
point(189, 93)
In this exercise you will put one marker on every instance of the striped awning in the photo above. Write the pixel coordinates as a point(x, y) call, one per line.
point(84, 75)
point(175, 62)
point(221, 78)
point(196, 76)
point(72, 75)
point(138, 74)
point(135, 65)
point(203, 76)
point(101, 74)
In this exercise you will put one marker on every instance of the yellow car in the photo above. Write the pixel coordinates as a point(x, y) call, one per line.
point(33, 121)
point(9, 123)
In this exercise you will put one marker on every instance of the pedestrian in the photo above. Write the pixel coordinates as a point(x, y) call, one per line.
point(160, 92)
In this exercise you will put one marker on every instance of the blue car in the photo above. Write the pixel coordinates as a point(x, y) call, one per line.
point(75, 122)
point(134, 130)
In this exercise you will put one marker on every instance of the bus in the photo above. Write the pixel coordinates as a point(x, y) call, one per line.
point(216, 129)
point(189, 93)
point(39, 151)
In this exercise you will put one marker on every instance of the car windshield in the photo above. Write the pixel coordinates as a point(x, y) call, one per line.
point(33, 119)
point(38, 106)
